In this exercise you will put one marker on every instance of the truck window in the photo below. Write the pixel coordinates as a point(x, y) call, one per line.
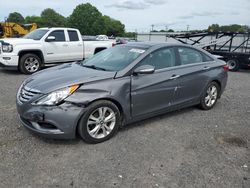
point(59, 35)
point(73, 36)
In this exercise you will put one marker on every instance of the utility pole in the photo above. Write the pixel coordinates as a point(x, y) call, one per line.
point(166, 28)
point(188, 28)
point(152, 27)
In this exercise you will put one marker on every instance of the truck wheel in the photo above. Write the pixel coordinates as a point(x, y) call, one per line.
point(29, 63)
point(233, 65)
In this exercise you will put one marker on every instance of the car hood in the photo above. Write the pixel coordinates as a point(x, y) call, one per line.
point(65, 75)
point(16, 41)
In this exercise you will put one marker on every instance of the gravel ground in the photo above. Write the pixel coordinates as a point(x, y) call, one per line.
point(187, 148)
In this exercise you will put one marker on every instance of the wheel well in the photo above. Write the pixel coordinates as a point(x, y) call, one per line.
point(219, 84)
point(36, 52)
point(119, 106)
point(99, 49)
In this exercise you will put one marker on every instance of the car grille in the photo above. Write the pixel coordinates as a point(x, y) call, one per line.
point(26, 94)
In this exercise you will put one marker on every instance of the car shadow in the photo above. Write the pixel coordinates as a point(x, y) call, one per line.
point(13, 72)
point(244, 71)
point(57, 141)
point(142, 123)
point(153, 120)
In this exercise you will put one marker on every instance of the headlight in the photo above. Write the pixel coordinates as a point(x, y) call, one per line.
point(57, 96)
point(7, 48)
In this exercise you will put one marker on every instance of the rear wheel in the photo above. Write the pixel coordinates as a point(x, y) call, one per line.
point(29, 63)
point(100, 122)
point(210, 96)
point(233, 65)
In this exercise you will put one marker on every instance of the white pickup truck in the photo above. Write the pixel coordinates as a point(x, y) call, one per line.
point(47, 46)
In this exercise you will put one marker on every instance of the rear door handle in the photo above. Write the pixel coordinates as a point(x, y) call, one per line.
point(206, 68)
point(174, 77)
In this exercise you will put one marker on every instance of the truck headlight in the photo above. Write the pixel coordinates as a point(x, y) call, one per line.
point(56, 97)
point(7, 48)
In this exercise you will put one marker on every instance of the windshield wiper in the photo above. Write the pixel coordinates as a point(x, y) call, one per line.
point(94, 67)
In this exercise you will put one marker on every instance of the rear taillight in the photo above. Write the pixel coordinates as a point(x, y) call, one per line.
point(226, 68)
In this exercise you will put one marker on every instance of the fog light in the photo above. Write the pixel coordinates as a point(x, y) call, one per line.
point(7, 58)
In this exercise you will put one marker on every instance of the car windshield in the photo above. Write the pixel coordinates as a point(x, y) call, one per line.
point(37, 34)
point(113, 59)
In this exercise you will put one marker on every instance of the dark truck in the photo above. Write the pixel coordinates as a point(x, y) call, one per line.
point(234, 48)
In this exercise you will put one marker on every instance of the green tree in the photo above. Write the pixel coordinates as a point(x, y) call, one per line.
point(226, 28)
point(16, 17)
point(214, 28)
point(34, 19)
point(50, 18)
point(113, 27)
point(87, 19)
point(130, 35)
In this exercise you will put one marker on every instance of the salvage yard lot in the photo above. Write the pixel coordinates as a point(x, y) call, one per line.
point(187, 148)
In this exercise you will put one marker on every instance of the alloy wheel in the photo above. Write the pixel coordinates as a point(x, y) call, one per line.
point(211, 96)
point(101, 122)
point(31, 64)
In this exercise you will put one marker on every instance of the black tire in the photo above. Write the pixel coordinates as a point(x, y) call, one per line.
point(233, 65)
point(25, 59)
point(203, 102)
point(83, 127)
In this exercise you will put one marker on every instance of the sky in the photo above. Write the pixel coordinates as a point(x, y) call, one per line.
point(140, 15)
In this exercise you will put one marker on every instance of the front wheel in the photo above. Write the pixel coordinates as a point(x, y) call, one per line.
point(210, 96)
point(29, 63)
point(100, 122)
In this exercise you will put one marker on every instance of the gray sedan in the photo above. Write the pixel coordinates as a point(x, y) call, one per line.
point(117, 86)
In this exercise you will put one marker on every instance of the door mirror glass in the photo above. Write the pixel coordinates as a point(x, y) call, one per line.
point(50, 38)
point(144, 69)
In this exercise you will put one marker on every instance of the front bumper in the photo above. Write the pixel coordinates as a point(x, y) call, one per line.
point(9, 60)
point(57, 122)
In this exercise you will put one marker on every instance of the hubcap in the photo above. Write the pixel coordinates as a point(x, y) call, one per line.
point(211, 96)
point(31, 64)
point(101, 122)
point(231, 64)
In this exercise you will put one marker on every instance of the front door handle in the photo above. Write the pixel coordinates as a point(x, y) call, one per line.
point(206, 68)
point(65, 45)
point(174, 77)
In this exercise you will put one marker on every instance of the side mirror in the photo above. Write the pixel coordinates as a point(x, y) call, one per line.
point(144, 69)
point(50, 38)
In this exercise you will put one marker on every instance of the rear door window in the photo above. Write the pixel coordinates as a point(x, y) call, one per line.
point(189, 56)
point(73, 36)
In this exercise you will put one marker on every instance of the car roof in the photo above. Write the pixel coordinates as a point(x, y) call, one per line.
point(147, 45)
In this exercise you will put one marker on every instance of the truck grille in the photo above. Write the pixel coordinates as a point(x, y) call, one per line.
point(26, 94)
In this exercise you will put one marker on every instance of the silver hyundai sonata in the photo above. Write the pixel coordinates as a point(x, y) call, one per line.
point(117, 86)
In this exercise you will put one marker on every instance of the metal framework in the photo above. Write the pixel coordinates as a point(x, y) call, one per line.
point(196, 39)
